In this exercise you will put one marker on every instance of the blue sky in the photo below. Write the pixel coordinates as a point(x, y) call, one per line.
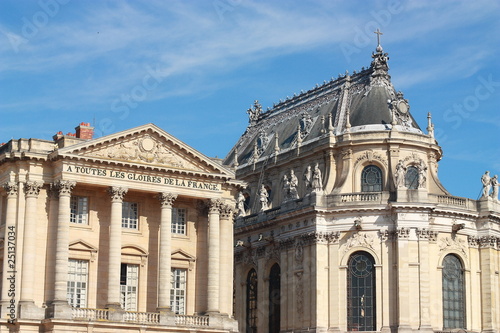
point(194, 67)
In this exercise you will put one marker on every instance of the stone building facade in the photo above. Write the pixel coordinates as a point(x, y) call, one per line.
point(130, 232)
point(345, 226)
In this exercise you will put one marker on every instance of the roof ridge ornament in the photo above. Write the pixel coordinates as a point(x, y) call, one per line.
point(254, 113)
point(379, 62)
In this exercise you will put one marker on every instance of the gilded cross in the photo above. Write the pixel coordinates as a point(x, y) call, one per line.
point(378, 35)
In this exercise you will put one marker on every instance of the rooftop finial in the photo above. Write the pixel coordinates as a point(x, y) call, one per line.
point(378, 32)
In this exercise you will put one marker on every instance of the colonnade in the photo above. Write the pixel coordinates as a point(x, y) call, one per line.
point(220, 259)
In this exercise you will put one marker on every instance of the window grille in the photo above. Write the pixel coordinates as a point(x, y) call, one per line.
point(453, 293)
point(251, 322)
point(411, 178)
point(179, 221)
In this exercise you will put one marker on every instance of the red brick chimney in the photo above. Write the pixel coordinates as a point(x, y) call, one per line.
point(84, 131)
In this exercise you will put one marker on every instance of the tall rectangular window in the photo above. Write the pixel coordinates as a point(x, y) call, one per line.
point(179, 221)
point(178, 291)
point(129, 215)
point(129, 280)
point(79, 210)
point(77, 283)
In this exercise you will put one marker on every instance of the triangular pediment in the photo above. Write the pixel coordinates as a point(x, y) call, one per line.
point(147, 146)
point(182, 255)
point(81, 245)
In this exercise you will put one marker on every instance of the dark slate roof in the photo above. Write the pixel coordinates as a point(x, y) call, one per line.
point(364, 101)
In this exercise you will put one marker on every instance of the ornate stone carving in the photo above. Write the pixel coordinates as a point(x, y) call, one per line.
point(494, 186)
point(400, 110)
point(226, 211)
point(299, 252)
point(299, 292)
point(403, 232)
point(488, 242)
point(346, 153)
point(117, 193)
point(64, 187)
point(273, 251)
point(358, 240)
point(399, 174)
point(241, 204)
point(308, 179)
point(306, 124)
point(254, 112)
point(32, 188)
point(473, 241)
point(250, 257)
point(167, 199)
point(320, 237)
point(263, 198)
point(214, 205)
point(261, 251)
point(290, 191)
point(370, 156)
point(11, 188)
point(453, 244)
point(424, 233)
point(286, 244)
point(386, 235)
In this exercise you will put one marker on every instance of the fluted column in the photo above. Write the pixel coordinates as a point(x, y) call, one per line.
point(226, 260)
point(31, 190)
point(64, 187)
point(213, 256)
point(10, 241)
point(165, 257)
point(115, 246)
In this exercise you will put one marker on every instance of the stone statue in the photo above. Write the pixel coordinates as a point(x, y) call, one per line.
point(254, 113)
point(286, 188)
point(241, 204)
point(294, 182)
point(486, 180)
point(308, 178)
point(494, 185)
point(317, 182)
point(400, 174)
point(263, 198)
point(422, 174)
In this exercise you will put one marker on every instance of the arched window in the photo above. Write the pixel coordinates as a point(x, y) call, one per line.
point(252, 302)
point(411, 178)
point(274, 299)
point(453, 293)
point(371, 179)
point(361, 292)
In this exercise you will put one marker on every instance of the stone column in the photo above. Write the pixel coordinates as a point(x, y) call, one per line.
point(165, 256)
point(10, 241)
point(226, 260)
point(405, 307)
point(213, 257)
point(115, 246)
point(27, 306)
point(61, 306)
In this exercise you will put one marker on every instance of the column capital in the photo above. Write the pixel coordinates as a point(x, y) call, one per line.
point(214, 205)
point(117, 193)
point(32, 188)
point(11, 188)
point(167, 199)
point(226, 211)
point(64, 187)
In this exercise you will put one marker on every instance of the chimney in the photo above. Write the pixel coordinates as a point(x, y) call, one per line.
point(84, 131)
point(58, 136)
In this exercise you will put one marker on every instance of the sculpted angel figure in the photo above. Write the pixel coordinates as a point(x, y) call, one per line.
point(486, 180)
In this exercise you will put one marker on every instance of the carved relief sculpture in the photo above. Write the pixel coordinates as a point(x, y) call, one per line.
point(422, 174)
